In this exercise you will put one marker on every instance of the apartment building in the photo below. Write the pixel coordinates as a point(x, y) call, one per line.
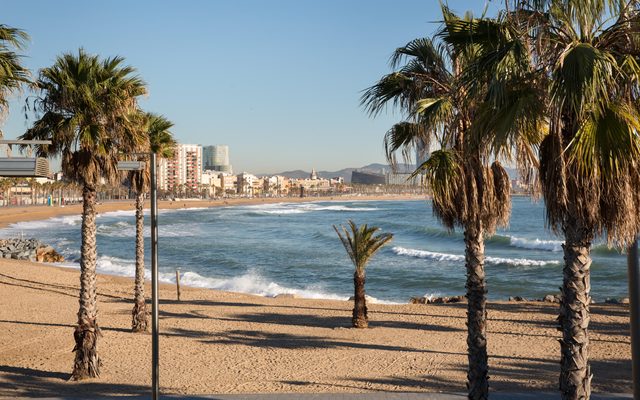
point(182, 172)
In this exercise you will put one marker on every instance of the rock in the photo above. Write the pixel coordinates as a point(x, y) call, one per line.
point(437, 300)
point(28, 249)
point(624, 300)
point(517, 298)
point(551, 298)
point(457, 299)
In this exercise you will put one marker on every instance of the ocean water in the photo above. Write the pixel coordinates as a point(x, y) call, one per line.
point(292, 248)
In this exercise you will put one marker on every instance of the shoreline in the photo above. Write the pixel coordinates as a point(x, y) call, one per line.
point(9, 215)
point(37, 213)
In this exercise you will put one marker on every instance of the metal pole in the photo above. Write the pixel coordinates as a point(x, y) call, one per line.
point(634, 311)
point(155, 354)
point(178, 283)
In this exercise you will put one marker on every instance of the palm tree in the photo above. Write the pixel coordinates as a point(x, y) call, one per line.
point(160, 141)
point(82, 104)
point(586, 77)
point(361, 245)
point(588, 161)
point(431, 86)
point(12, 74)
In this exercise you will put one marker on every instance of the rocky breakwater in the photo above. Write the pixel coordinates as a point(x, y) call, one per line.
point(28, 249)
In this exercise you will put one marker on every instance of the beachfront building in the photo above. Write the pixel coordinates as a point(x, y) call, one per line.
point(246, 183)
point(276, 185)
point(211, 185)
point(228, 183)
point(183, 172)
point(216, 158)
point(309, 185)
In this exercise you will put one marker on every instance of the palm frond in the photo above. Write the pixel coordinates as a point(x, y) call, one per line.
point(403, 136)
point(607, 142)
point(361, 243)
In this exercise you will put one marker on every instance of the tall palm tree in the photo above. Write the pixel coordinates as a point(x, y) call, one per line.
point(361, 245)
point(160, 141)
point(431, 87)
point(589, 160)
point(82, 104)
point(12, 73)
point(586, 77)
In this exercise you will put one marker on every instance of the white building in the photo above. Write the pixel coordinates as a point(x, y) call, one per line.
point(182, 172)
point(246, 183)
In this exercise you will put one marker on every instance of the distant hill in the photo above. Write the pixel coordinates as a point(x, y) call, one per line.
point(344, 173)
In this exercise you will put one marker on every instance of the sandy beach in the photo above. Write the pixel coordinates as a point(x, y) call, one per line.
point(219, 342)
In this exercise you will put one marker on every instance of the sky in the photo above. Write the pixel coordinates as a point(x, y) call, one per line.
point(278, 81)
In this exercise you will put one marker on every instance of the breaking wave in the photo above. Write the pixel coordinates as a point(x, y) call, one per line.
point(430, 255)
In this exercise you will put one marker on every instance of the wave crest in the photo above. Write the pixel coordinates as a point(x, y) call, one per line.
point(430, 255)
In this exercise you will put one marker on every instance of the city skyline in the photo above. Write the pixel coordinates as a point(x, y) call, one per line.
point(279, 82)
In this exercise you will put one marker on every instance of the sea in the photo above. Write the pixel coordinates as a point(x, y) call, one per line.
point(271, 249)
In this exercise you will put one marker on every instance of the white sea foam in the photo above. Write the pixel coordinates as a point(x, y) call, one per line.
point(302, 208)
point(123, 229)
point(69, 220)
point(251, 282)
point(459, 258)
point(118, 213)
point(536, 244)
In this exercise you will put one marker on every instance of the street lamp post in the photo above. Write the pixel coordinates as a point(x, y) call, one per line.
point(634, 311)
point(155, 342)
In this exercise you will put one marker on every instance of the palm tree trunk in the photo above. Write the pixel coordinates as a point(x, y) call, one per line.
point(477, 376)
point(360, 317)
point(87, 362)
point(139, 313)
point(575, 371)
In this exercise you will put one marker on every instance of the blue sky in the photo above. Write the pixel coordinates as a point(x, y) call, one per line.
point(278, 81)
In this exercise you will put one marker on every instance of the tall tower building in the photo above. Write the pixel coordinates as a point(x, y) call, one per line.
point(216, 158)
point(422, 152)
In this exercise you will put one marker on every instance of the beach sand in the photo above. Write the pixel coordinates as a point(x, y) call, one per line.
point(219, 342)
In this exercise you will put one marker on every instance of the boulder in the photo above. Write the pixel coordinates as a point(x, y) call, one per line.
point(48, 254)
point(517, 298)
point(624, 300)
point(551, 298)
point(437, 300)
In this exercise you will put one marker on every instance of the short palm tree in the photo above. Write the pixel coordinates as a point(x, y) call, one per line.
point(160, 141)
point(12, 73)
point(361, 244)
point(432, 87)
point(81, 106)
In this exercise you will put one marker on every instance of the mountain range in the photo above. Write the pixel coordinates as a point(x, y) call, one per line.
point(345, 173)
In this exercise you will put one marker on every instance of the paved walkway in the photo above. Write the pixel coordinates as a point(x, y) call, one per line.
point(366, 396)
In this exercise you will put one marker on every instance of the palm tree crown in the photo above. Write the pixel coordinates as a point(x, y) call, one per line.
point(12, 74)
point(83, 110)
point(361, 243)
